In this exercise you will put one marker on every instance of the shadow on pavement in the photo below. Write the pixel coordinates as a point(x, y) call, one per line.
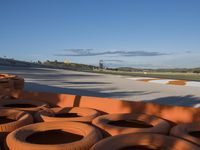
point(90, 91)
point(188, 100)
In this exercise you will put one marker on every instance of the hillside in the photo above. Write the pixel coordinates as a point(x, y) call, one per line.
point(47, 64)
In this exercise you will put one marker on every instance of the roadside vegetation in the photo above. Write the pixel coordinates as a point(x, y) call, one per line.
point(181, 74)
point(192, 74)
point(165, 75)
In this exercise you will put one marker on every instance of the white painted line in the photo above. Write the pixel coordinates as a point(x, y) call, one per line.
point(196, 106)
point(165, 81)
point(30, 79)
point(193, 83)
point(161, 81)
point(139, 78)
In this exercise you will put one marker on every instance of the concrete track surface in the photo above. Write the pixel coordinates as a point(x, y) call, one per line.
point(103, 85)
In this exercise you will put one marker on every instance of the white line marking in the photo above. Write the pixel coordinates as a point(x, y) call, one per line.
point(139, 78)
point(165, 81)
point(161, 81)
point(193, 83)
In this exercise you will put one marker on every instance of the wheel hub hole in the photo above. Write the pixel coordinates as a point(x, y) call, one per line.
point(20, 105)
point(130, 123)
point(195, 134)
point(139, 148)
point(5, 119)
point(53, 137)
point(67, 115)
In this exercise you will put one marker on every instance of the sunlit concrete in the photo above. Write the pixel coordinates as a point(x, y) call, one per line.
point(113, 86)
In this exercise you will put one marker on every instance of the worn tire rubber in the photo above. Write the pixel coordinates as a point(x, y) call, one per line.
point(38, 105)
point(7, 76)
point(21, 119)
point(6, 80)
point(6, 83)
point(18, 83)
point(183, 131)
point(152, 141)
point(17, 139)
point(11, 81)
point(159, 125)
point(48, 115)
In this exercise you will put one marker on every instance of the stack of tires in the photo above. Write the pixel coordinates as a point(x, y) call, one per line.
point(9, 83)
point(189, 132)
point(144, 132)
point(18, 82)
point(76, 128)
point(144, 141)
point(10, 120)
point(48, 128)
point(35, 125)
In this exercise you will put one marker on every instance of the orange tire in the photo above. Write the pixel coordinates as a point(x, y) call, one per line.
point(11, 81)
point(4, 96)
point(11, 120)
point(25, 105)
point(190, 132)
point(143, 141)
point(114, 124)
point(41, 136)
point(18, 83)
point(6, 83)
point(7, 75)
point(67, 114)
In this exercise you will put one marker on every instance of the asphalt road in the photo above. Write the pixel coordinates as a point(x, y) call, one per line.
point(112, 86)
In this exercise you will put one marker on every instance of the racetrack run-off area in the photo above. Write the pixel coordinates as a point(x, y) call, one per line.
point(167, 81)
point(105, 85)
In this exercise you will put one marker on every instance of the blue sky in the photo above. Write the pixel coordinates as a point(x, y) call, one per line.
point(136, 33)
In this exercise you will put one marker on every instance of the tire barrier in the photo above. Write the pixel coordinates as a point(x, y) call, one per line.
point(18, 83)
point(114, 124)
point(3, 75)
point(11, 120)
point(143, 141)
point(24, 105)
point(67, 114)
point(54, 136)
point(129, 131)
point(11, 81)
point(4, 97)
point(189, 132)
point(5, 83)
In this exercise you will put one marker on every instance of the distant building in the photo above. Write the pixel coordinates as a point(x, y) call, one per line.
point(66, 62)
point(101, 66)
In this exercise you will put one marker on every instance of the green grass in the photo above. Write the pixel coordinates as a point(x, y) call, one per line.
point(164, 75)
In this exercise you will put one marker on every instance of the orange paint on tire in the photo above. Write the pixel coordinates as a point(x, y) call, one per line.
point(108, 124)
point(10, 83)
point(19, 139)
point(18, 83)
point(67, 114)
point(24, 105)
point(11, 120)
point(189, 132)
point(147, 141)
